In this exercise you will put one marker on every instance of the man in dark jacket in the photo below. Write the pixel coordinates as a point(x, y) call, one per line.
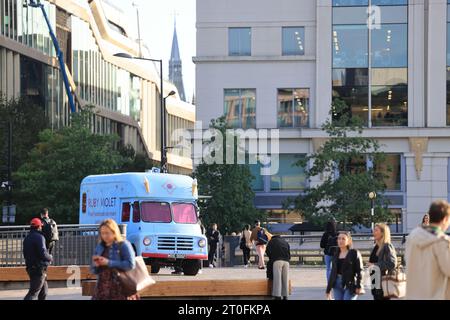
point(213, 236)
point(37, 260)
point(278, 251)
point(49, 230)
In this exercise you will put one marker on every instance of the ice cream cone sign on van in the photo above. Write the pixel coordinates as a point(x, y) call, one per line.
point(160, 211)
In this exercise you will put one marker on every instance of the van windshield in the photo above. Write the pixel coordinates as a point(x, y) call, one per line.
point(155, 212)
point(184, 213)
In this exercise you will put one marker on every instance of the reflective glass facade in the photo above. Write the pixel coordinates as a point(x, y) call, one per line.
point(370, 65)
point(100, 82)
point(293, 108)
point(240, 108)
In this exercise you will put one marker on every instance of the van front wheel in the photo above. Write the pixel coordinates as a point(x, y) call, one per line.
point(191, 267)
point(155, 268)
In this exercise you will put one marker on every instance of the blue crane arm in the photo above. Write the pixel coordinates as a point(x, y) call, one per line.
point(59, 53)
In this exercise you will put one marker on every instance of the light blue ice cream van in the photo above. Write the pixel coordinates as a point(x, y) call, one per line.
point(159, 210)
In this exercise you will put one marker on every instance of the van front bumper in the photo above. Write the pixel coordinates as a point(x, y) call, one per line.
point(175, 256)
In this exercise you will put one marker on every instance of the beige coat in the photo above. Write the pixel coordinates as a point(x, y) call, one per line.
point(247, 234)
point(427, 266)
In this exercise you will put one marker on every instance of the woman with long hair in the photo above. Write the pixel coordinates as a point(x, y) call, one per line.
point(346, 270)
point(383, 256)
point(111, 254)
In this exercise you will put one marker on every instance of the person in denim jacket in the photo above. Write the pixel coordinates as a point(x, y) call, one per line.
point(111, 254)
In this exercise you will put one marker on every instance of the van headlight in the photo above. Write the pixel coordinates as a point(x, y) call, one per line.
point(147, 241)
point(202, 243)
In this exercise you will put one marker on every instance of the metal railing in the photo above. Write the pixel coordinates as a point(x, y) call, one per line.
point(75, 246)
point(305, 249)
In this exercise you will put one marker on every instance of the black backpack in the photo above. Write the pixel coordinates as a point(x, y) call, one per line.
point(50, 230)
point(331, 245)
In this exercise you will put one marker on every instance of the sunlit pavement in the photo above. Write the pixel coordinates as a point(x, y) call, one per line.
point(308, 283)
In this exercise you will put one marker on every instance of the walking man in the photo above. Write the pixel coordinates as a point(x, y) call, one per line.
point(49, 230)
point(428, 257)
point(213, 237)
point(36, 259)
point(279, 254)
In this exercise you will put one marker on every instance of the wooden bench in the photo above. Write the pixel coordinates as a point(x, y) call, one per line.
point(54, 273)
point(200, 288)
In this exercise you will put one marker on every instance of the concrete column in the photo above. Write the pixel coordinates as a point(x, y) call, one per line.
point(436, 63)
point(416, 66)
point(323, 63)
point(16, 75)
point(431, 186)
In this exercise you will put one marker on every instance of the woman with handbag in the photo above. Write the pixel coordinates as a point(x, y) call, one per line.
point(112, 254)
point(346, 271)
point(383, 256)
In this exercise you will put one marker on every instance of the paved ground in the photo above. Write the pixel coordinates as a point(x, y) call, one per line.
point(308, 283)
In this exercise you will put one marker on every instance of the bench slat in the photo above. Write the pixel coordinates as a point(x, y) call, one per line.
point(200, 288)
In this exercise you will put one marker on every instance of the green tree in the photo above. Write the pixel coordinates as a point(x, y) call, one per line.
point(52, 174)
point(27, 120)
point(229, 186)
point(133, 161)
point(343, 196)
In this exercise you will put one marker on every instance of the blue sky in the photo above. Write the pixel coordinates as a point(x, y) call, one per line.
point(157, 21)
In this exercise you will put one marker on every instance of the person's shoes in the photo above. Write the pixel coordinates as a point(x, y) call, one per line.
point(200, 271)
point(276, 298)
point(261, 268)
point(177, 272)
point(211, 266)
point(246, 266)
point(285, 298)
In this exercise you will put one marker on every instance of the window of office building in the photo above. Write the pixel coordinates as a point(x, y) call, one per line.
point(290, 177)
point(373, 84)
point(448, 62)
point(389, 168)
point(293, 41)
point(239, 41)
point(240, 108)
point(293, 108)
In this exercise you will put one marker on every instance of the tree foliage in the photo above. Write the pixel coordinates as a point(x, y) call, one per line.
point(229, 185)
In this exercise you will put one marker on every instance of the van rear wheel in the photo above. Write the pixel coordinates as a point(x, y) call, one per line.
point(191, 267)
point(155, 267)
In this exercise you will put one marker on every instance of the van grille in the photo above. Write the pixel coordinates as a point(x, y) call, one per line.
point(175, 243)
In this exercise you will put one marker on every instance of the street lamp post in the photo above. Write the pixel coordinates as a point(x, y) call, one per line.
point(372, 197)
point(164, 154)
point(163, 129)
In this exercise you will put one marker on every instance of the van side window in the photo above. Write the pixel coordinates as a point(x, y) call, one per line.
point(125, 212)
point(136, 212)
point(83, 202)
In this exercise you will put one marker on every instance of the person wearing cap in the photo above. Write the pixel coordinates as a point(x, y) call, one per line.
point(37, 260)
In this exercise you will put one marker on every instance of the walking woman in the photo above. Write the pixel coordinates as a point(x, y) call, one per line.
point(383, 256)
point(329, 244)
point(111, 254)
point(346, 270)
point(246, 245)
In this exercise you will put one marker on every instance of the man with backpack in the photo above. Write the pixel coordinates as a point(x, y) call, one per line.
point(49, 230)
point(329, 244)
point(260, 237)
